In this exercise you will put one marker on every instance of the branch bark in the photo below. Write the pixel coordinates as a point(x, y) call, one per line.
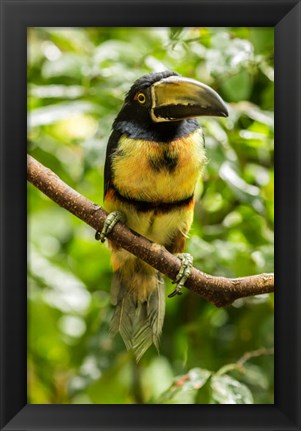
point(220, 291)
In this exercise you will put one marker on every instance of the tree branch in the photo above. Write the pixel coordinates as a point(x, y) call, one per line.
point(220, 291)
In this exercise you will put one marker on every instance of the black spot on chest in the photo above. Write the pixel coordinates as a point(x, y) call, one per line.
point(166, 162)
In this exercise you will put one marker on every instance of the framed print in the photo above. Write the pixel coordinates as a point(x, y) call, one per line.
point(105, 96)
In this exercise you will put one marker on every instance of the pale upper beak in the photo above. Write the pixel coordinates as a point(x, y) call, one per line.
point(176, 98)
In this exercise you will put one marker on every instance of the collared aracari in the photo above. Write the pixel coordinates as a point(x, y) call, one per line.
point(154, 159)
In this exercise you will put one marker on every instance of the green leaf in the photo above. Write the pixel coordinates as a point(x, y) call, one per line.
point(228, 55)
point(204, 394)
point(238, 87)
point(226, 390)
point(68, 65)
point(236, 182)
point(52, 113)
point(175, 33)
point(185, 387)
point(157, 377)
point(56, 91)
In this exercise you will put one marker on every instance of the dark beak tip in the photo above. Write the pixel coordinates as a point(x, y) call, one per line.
point(223, 112)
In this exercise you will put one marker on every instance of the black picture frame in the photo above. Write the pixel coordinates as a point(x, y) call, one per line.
point(16, 16)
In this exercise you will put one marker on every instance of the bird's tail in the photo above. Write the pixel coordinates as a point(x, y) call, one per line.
point(139, 300)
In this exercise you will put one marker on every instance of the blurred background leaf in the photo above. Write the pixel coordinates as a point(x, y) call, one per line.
point(77, 79)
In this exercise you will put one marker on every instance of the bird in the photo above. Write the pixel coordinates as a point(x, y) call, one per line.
point(154, 159)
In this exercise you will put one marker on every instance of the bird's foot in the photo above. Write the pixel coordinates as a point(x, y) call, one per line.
point(111, 220)
point(183, 274)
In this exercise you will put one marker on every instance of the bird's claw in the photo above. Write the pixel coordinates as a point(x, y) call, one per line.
point(111, 220)
point(183, 274)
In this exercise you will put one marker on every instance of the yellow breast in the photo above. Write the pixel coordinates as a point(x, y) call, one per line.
point(152, 171)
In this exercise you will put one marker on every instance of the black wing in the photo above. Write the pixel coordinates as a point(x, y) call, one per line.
point(111, 148)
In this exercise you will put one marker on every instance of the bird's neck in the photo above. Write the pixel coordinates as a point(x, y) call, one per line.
point(159, 132)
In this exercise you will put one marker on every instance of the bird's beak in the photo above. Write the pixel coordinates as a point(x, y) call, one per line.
point(176, 98)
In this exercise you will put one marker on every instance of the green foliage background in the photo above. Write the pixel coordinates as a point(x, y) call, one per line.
point(77, 79)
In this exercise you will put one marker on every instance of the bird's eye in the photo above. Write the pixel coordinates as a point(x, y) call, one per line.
point(141, 98)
